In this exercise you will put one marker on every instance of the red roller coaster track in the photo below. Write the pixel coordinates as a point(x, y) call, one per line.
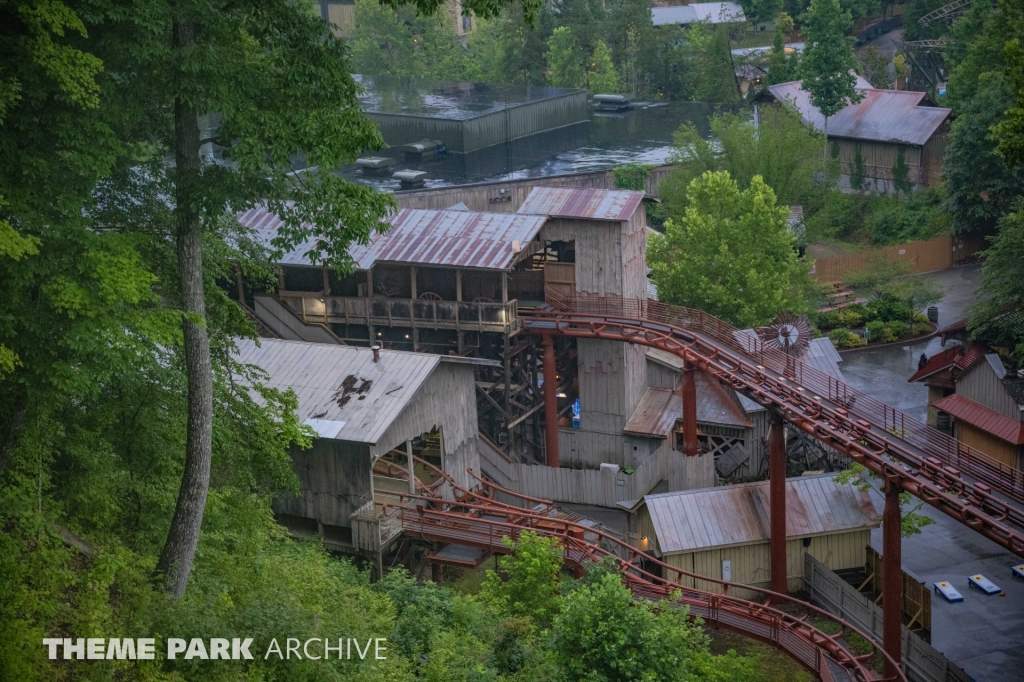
point(475, 519)
point(918, 458)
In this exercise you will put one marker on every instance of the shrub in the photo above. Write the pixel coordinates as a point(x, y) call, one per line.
point(829, 320)
point(844, 338)
point(897, 328)
point(888, 309)
point(875, 330)
point(919, 328)
point(852, 316)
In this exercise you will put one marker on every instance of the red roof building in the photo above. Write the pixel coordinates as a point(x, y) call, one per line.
point(972, 393)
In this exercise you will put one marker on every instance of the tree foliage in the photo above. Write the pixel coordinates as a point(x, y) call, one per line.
point(828, 62)
point(874, 66)
point(730, 252)
point(997, 316)
point(564, 59)
point(781, 150)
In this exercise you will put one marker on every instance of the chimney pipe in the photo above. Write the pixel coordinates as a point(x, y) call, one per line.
point(376, 352)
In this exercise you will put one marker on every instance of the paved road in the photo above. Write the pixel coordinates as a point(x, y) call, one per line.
point(983, 634)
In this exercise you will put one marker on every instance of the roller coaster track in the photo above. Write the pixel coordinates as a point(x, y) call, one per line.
point(476, 519)
point(946, 12)
point(941, 471)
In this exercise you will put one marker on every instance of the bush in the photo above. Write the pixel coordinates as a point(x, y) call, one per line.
point(919, 328)
point(852, 316)
point(827, 321)
point(887, 310)
point(844, 338)
point(875, 330)
point(897, 328)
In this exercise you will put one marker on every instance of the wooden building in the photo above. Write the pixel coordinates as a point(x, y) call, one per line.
point(370, 410)
point(986, 410)
point(723, 532)
point(887, 133)
point(942, 370)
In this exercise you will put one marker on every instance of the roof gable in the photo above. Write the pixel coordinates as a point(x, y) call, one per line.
point(453, 237)
point(815, 505)
point(343, 394)
point(579, 202)
point(894, 116)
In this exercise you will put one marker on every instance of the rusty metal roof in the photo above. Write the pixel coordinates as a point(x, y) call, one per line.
point(882, 116)
point(581, 202)
point(962, 357)
point(710, 12)
point(724, 516)
point(343, 394)
point(983, 418)
point(659, 408)
point(453, 238)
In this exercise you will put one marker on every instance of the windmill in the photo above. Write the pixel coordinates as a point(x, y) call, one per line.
point(787, 332)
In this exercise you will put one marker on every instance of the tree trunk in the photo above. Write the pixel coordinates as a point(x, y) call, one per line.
point(176, 559)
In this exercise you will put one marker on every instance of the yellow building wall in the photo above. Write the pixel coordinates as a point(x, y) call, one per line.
point(751, 564)
point(995, 448)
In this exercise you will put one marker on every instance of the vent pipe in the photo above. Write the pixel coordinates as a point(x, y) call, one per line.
point(376, 352)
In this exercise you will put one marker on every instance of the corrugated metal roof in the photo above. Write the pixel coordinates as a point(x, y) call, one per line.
point(711, 12)
point(822, 355)
point(984, 418)
point(581, 202)
point(659, 408)
point(882, 116)
point(815, 505)
point(673, 361)
point(962, 356)
point(342, 384)
point(452, 237)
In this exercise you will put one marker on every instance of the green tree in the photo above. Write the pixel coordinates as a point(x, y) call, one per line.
point(783, 151)
point(712, 74)
point(509, 49)
point(603, 634)
point(874, 66)
point(782, 67)
point(828, 62)
point(980, 186)
point(601, 74)
point(760, 11)
point(564, 59)
point(730, 252)
point(530, 584)
point(397, 42)
point(998, 314)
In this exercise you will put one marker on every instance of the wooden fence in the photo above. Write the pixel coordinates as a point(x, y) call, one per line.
point(921, 662)
point(923, 256)
point(917, 598)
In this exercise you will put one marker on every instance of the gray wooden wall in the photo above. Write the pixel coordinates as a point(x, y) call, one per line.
point(334, 481)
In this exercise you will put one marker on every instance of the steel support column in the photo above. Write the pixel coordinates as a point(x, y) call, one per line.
point(550, 402)
point(412, 467)
point(892, 574)
point(688, 389)
point(777, 501)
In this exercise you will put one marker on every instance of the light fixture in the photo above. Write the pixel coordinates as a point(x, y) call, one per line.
point(560, 395)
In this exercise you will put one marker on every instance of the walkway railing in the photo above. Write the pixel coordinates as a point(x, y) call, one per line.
point(477, 520)
point(989, 472)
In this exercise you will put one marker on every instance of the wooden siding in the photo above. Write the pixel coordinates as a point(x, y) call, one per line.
point(334, 481)
point(751, 564)
point(922, 256)
point(634, 255)
point(981, 385)
point(878, 159)
point(447, 400)
point(931, 157)
point(996, 448)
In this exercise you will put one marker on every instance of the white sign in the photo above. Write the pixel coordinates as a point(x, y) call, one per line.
point(727, 570)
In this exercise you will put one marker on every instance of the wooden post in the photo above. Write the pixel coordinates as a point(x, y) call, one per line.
point(458, 284)
point(240, 283)
point(892, 574)
point(369, 306)
point(777, 501)
point(460, 340)
point(412, 307)
point(412, 467)
point(550, 402)
point(327, 281)
point(688, 389)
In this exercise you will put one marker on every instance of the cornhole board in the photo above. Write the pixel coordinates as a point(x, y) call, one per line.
point(1018, 571)
point(948, 591)
point(983, 584)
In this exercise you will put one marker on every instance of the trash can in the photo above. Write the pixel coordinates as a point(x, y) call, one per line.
point(933, 314)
